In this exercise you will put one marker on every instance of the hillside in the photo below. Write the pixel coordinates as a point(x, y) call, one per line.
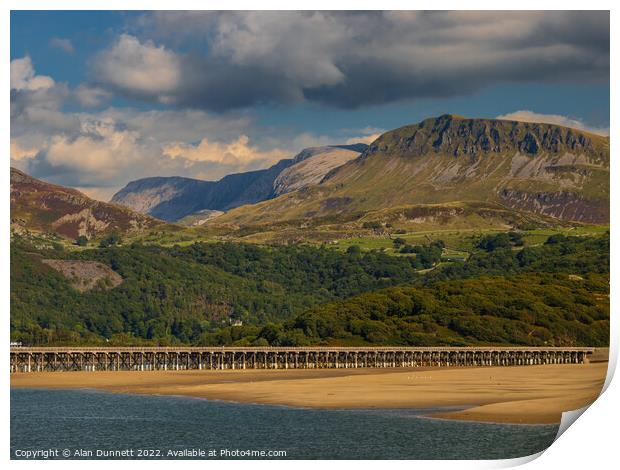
point(181, 293)
point(37, 206)
point(425, 171)
point(172, 198)
point(554, 293)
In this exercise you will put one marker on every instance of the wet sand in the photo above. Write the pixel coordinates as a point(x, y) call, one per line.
point(527, 394)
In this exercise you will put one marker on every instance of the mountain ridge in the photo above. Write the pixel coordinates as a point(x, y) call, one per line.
point(544, 169)
point(173, 198)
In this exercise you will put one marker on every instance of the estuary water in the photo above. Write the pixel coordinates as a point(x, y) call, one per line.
point(91, 424)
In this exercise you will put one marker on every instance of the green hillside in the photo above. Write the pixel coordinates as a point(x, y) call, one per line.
point(222, 294)
point(179, 294)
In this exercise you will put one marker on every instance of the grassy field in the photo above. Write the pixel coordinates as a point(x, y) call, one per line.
point(459, 243)
point(538, 236)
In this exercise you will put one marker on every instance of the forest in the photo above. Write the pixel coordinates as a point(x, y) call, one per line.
point(555, 293)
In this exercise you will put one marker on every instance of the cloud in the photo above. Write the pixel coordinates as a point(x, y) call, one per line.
point(19, 153)
point(102, 150)
point(238, 152)
point(36, 100)
point(24, 78)
point(174, 125)
point(63, 44)
point(365, 135)
point(138, 69)
point(530, 116)
point(90, 97)
point(362, 139)
point(351, 59)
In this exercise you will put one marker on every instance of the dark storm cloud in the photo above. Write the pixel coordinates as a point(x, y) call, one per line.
point(220, 85)
point(240, 59)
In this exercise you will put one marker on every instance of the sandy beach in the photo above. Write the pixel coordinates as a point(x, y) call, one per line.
point(531, 394)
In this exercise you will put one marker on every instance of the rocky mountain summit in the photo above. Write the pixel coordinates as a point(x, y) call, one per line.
point(456, 136)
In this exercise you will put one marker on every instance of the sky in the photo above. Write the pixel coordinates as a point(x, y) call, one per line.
point(99, 99)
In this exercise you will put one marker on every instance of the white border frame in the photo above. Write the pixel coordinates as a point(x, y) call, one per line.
point(589, 444)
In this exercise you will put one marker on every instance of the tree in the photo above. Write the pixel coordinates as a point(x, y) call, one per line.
point(398, 242)
point(81, 240)
point(556, 239)
point(110, 240)
point(494, 242)
point(354, 250)
point(372, 225)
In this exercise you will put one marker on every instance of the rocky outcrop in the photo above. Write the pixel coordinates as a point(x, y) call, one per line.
point(565, 205)
point(86, 275)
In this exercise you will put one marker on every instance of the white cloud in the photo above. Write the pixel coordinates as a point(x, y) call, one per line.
point(101, 149)
point(364, 135)
point(362, 139)
point(238, 152)
point(36, 101)
point(89, 96)
point(20, 153)
point(558, 119)
point(63, 44)
point(24, 78)
point(136, 67)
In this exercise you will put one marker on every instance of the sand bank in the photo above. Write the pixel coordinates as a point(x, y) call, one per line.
point(530, 394)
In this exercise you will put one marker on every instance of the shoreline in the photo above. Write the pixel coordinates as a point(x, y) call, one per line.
point(502, 395)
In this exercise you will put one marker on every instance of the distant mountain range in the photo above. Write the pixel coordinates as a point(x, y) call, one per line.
point(48, 208)
point(174, 198)
point(430, 172)
point(445, 172)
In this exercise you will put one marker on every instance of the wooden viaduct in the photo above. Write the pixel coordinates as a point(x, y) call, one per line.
point(41, 359)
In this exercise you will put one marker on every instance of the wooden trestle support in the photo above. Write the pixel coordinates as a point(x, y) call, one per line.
point(33, 359)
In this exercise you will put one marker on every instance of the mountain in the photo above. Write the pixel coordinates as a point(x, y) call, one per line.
point(310, 167)
point(43, 207)
point(448, 167)
point(173, 198)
